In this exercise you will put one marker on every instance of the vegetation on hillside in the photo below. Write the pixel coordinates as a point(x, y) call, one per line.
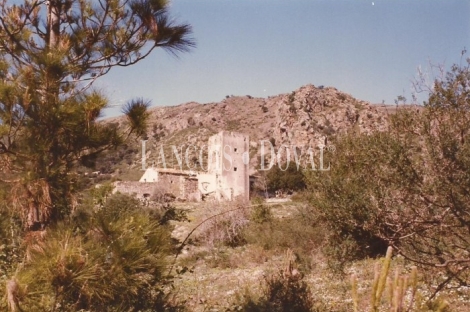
point(51, 53)
point(408, 187)
point(110, 259)
point(52, 255)
point(67, 244)
point(286, 178)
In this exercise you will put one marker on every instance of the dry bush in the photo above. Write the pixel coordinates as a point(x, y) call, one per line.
point(224, 223)
point(162, 194)
point(285, 291)
point(301, 232)
point(161, 206)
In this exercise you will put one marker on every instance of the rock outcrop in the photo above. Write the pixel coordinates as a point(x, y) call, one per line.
point(303, 118)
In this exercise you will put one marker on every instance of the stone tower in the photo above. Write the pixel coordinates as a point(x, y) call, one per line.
point(228, 165)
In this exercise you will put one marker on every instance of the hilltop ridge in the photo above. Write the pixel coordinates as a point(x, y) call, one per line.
point(301, 118)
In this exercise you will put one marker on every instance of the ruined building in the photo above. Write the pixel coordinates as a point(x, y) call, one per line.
point(226, 178)
point(227, 175)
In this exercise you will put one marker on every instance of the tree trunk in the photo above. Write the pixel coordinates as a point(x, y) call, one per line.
point(53, 27)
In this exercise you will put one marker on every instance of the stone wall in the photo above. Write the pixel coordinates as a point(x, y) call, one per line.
point(171, 183)
point(227, 175)
point(140, 189)
point(191, 191)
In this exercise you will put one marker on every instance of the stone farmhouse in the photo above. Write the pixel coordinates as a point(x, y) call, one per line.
point(226, 178)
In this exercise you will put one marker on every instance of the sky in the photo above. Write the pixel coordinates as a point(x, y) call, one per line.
point(369, 49)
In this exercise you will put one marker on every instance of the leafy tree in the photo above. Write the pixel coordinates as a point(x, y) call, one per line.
point(51, 53)
point(289, 178)
point(408, 187)
point(349, 197)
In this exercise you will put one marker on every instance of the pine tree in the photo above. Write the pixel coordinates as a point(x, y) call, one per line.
point(51, 53)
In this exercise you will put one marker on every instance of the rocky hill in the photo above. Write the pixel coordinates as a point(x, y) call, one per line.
point(303, 118)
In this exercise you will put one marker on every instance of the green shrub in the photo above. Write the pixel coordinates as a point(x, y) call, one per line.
point(287, 179)
point(346, 197)
point(284, 291)
point(272, 141)
point(115, 262)
point(407, 187)
point(191, 121)
point(260, 212)
point(341, 97)
point(300, 232)
point(11, 253)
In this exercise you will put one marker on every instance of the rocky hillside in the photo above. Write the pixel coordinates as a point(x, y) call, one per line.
point(303, 118)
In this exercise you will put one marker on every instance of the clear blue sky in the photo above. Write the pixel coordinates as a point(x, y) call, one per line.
point(369, 49)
